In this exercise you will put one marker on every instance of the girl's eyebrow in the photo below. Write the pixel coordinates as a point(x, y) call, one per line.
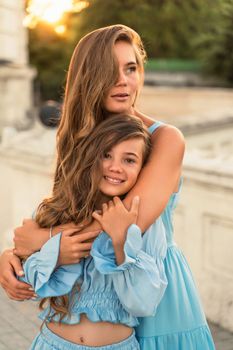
point(131, 154)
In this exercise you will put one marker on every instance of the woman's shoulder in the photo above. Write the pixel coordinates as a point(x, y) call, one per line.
point(161, 131)
point(167, 132)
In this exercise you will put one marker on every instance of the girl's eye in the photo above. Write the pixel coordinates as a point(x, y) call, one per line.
point(130, 160)
point(107, 156)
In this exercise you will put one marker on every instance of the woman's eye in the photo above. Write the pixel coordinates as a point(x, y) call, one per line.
point(131, 69)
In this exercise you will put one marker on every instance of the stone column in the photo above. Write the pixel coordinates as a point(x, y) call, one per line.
point(16, 76)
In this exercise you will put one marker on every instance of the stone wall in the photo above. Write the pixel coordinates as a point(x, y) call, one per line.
point(26, 167)
point(204, 220)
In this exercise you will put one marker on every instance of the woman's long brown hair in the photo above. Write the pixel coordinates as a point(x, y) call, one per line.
point(85, 177)
point(92, 72)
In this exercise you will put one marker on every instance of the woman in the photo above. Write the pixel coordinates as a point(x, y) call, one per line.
point(105, 76)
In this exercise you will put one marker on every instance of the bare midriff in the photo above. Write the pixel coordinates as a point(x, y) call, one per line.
point(91, 333)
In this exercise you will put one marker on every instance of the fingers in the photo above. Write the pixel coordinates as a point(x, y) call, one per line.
point(70, 231)
point(110, 204)
point(16, 265)
point(104, 207)
point(135, 205)
point(84, 254)
point(116, 200)
point(97, 216)
point(19, 295)
point(16, 289)
point(87, 235)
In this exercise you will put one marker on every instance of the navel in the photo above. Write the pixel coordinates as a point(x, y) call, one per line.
point(81, 339)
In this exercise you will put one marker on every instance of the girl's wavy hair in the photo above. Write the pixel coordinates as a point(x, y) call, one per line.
point(84, 179)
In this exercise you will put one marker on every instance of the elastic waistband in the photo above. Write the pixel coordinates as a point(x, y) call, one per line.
point(60, 343)
point(171, 244)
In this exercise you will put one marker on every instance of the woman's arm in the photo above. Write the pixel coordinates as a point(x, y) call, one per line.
point(160, 177)
point(156, 182)
point(9, 266)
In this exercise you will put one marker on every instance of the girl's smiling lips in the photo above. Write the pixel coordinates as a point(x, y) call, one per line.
point(113, 180)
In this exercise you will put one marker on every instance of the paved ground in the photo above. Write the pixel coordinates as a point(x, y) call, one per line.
point(19, 325)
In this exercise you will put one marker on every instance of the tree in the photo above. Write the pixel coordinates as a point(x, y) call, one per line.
point(215, 45)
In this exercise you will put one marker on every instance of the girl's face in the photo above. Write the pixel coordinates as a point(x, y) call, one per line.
point(121, 97)
point(121, 166)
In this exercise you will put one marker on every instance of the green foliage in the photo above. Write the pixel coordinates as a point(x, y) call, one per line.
point(166, 26)
point(172, 65)
point(50, 54)
point(170, 29)
point(215, 45)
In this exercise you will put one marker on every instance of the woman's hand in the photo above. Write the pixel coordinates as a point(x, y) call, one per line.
point(75, 245)
point(29, 238)
point(9, 267)
point(115, 218)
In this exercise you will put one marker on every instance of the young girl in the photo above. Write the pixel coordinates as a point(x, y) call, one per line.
point(105, 76)
point(104, 299)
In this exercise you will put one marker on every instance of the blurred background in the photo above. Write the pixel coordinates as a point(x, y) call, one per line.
point(188, 83)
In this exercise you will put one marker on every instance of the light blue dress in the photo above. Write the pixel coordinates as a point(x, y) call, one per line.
point(99, 287)
point(179, 323)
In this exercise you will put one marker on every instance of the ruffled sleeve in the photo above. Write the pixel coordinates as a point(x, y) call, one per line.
point(41, 272)
point(140, 281)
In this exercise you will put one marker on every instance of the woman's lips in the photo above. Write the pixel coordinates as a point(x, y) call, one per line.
point(120, 97)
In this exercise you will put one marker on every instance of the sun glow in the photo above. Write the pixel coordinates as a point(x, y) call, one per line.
point(51, 11)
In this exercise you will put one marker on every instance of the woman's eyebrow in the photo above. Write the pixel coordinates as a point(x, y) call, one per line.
point(131, 63)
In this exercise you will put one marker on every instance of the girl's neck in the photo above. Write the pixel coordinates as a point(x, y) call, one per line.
point(103, 198)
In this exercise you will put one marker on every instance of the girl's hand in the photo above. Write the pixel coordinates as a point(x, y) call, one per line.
point(115, 218)
point(9, 267)
point(75, 245)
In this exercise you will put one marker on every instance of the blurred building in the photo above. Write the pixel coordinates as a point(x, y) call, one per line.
point(15, 74)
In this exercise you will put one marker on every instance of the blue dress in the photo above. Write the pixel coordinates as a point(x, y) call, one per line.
point(179, 323)
point(97, 286)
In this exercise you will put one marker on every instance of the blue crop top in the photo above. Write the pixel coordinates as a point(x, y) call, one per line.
point(97, 286)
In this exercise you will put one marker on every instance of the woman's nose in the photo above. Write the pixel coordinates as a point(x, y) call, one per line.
point(122, 79)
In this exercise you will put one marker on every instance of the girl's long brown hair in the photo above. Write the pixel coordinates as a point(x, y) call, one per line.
point(85, 177)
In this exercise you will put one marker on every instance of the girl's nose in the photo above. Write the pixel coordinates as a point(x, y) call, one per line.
point(115, 166)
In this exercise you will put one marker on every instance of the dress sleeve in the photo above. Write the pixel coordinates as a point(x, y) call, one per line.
point(41, 272)
point(140, 281)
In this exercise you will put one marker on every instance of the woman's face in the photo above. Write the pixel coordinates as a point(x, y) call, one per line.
point(121, 97)
point(121, 167)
